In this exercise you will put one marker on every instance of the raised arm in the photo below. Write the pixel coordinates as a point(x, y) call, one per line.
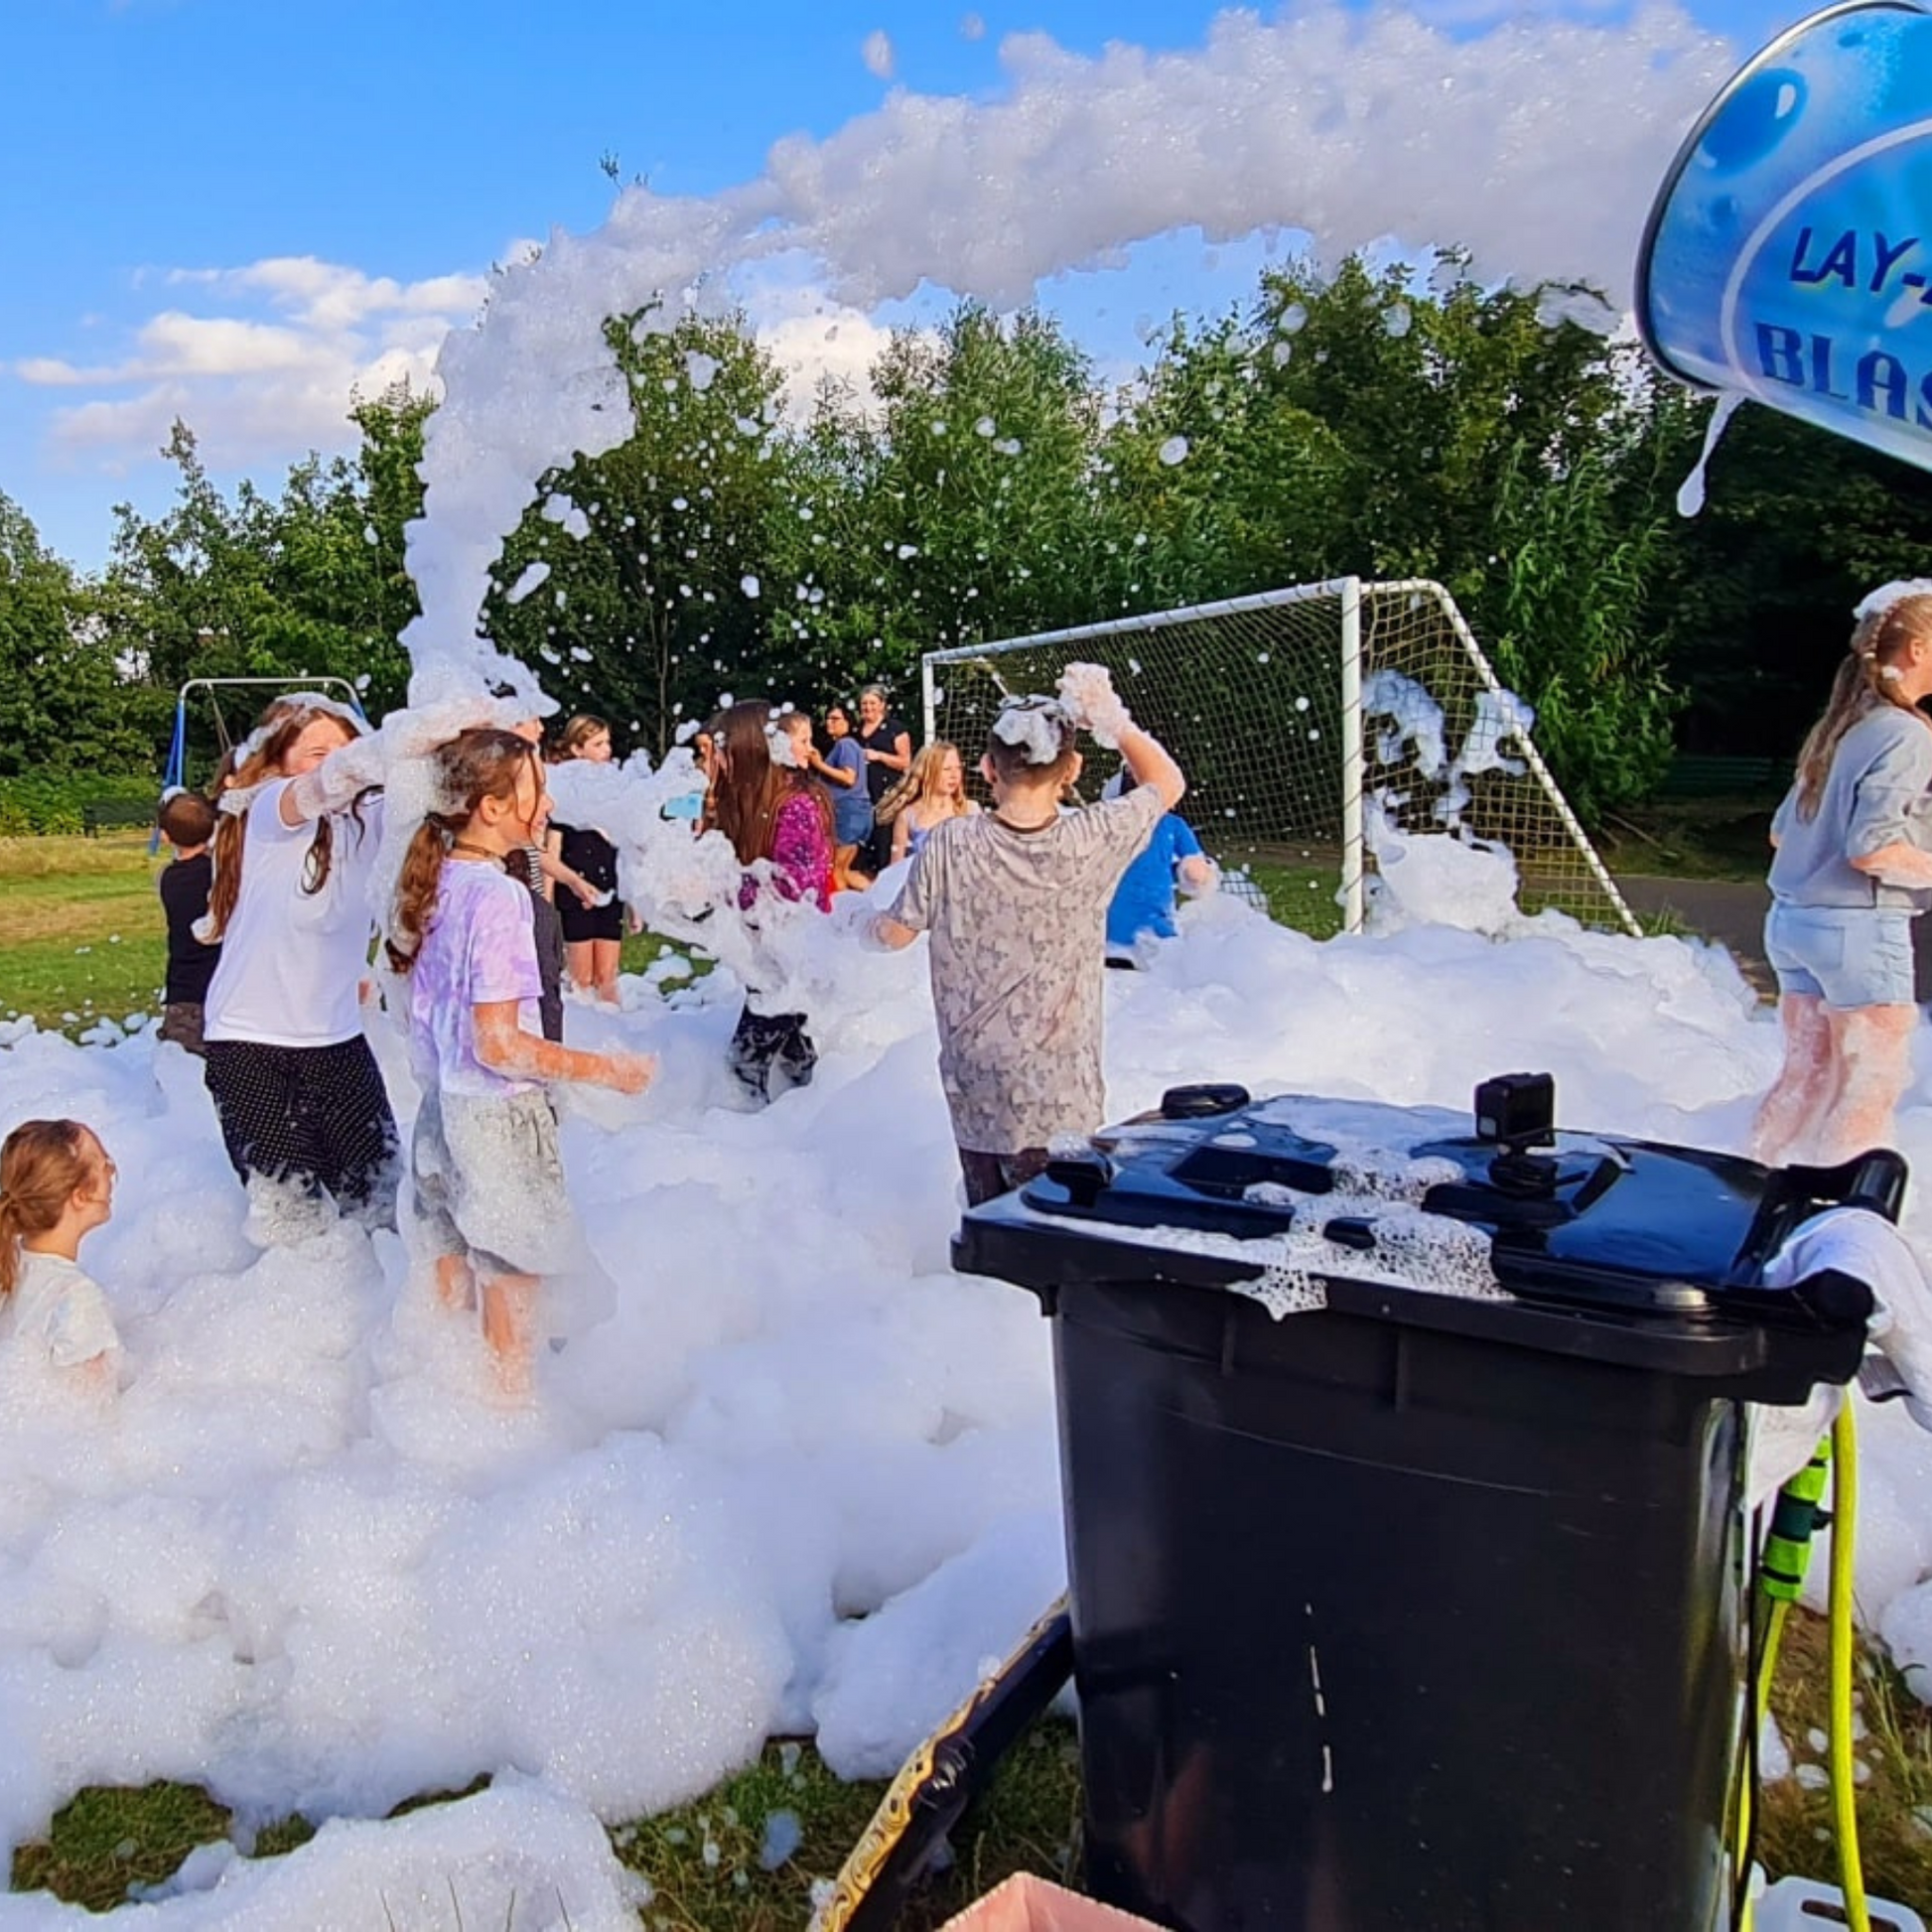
point(334, 784)
point(1151, 763)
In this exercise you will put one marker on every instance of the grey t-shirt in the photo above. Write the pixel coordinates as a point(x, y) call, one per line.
point(1877, 792)
point(1019, 924)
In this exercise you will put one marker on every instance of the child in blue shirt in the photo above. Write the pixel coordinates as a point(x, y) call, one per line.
point(1143, 901)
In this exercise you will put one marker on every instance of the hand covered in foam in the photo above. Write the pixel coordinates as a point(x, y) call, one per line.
point(855, 919)
point(1087, 694)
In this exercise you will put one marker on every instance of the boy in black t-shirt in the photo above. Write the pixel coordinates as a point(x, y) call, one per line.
point(187, 822)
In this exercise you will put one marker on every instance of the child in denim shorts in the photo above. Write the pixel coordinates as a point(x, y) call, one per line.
point(1852, 868)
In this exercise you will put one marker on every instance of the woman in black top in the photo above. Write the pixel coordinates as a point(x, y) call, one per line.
point(887, 747)
point(593, 934)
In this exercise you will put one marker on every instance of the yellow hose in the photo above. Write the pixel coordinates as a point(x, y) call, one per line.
point(1767, 1671)
point(1844, 1804)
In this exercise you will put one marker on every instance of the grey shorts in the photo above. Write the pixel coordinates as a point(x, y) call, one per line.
point(1845, 955)
point(488, 1183)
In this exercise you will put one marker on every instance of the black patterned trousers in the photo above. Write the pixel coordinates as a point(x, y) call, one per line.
point(316, 1116)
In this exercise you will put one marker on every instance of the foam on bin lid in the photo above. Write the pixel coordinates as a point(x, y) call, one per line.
point(1412, 1249)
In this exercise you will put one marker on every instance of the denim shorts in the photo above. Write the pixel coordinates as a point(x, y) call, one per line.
point(1845, 955)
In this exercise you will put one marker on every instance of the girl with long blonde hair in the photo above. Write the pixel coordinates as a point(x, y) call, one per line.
point(293, 1079)
point(931, 792)
point(1851, 868)
point(488, 1188)
point(56, 1185)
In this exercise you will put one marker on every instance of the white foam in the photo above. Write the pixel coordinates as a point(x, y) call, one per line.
point(306, 1564)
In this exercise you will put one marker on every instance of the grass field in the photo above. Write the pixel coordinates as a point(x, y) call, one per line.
point(81, 929)
point(81, 938)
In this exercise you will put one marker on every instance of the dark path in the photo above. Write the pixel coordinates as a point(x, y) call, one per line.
point(1733, 913)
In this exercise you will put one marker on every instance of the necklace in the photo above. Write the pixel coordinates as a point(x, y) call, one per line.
point(476, 851)
point(1039, 825)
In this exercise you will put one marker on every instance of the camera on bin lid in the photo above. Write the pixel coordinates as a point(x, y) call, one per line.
point(1517, 1113)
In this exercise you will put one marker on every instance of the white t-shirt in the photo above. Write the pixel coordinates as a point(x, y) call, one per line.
point(60, 1311)
point(293, 961)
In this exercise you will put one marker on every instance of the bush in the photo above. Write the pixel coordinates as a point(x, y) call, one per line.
point(56, 801)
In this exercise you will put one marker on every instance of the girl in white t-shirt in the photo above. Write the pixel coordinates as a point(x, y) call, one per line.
point(487, 1185)
point(56, 1185)
point(293, 1079)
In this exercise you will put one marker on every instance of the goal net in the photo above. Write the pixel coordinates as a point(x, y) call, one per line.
point(1306, 720)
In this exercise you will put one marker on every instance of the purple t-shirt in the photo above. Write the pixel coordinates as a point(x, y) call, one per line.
point(480, 950)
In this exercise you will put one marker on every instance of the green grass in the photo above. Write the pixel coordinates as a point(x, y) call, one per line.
point(80, 929)
point(1300, 887)
point(1795, 1832)
point(1693, 838)
point(702, 1861)
point(82, 934)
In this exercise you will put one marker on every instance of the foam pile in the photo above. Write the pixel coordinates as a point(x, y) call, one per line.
point(788, 1473)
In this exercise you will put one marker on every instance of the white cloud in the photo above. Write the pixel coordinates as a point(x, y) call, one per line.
point(972, 28)
point(878, 53)
point(257, 386)
point(812, 338)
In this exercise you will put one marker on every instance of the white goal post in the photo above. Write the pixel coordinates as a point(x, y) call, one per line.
point(1303, 715)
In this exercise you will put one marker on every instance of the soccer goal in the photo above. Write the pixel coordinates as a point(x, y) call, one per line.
point(1306, 719)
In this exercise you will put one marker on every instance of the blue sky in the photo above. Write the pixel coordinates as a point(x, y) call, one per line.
point(234, 210)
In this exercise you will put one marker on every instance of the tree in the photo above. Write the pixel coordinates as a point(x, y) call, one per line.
point(638, 576)
point(62, 705)
point(307, 585)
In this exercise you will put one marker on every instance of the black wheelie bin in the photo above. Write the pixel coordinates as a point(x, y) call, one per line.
point(1403, 1465)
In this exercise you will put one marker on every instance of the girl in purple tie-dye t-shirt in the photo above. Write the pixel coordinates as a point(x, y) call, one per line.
point(489, 1193)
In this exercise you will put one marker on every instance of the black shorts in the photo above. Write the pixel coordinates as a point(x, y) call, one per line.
point(314, 1116)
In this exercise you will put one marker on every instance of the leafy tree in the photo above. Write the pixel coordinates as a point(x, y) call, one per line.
point(636, 577)
point(61, 704)
point(1756, 595)
point(965, 511)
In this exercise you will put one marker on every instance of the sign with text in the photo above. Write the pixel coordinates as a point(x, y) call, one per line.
point(1789, 254)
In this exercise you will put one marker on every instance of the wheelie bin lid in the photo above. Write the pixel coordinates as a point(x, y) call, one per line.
point(1574, 1243)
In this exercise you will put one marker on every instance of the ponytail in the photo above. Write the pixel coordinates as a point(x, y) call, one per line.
point(1867, 677)
point(416, 888)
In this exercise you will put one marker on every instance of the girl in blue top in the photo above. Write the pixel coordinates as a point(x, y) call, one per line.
point(933, 792)
point(1851, 868)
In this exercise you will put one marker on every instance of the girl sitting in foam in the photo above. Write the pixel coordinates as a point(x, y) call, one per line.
point(488, 1181)
point(56, 1185)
